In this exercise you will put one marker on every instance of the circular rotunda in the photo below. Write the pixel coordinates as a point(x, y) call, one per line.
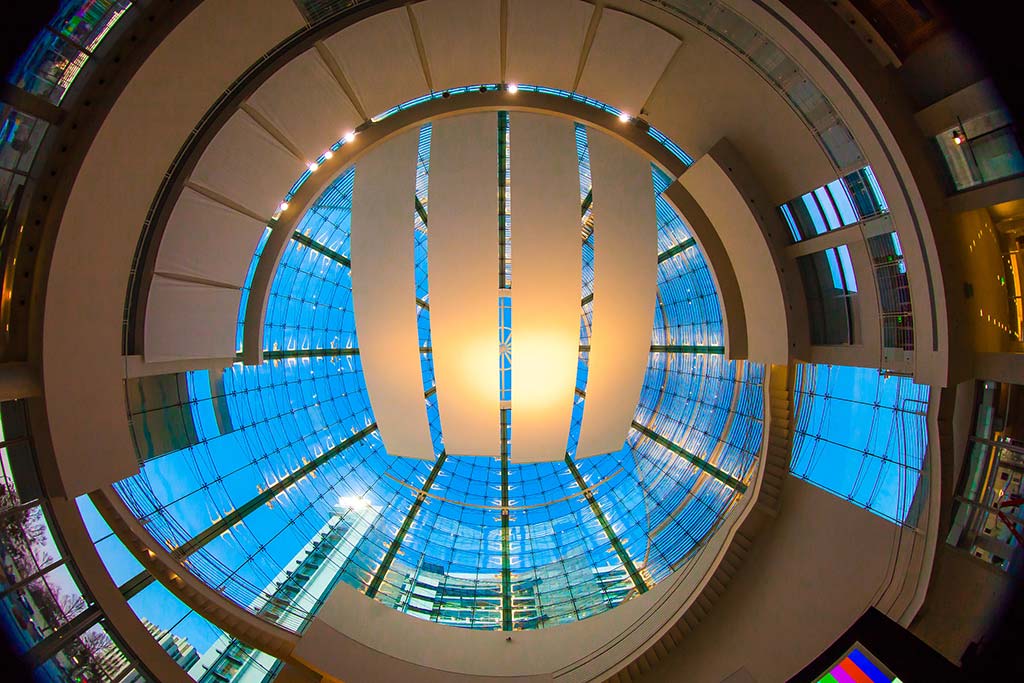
point(452, 340)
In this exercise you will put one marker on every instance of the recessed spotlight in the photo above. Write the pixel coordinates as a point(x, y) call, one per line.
point(513, 88)
point(328, 154)
point(624, 117)
point(313, 166)
point(283, 207)
point(350, 136)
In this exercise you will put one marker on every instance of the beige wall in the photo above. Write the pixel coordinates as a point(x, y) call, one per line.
point(809, 576)
point(963, 598)
point(707, 93)
point(82, 361)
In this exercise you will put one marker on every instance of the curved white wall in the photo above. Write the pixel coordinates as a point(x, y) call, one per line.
point(81, 355)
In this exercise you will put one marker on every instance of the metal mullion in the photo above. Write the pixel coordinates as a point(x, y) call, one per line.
point(699, 463)
point(309, 353)
point(32, 577)
point(396, 543)
point(677, 249)
point(506, 559)
point(821, 212)
point(421, 211)
point(688, 348)
point(49, 646)
point(595, 507)
point(23, 507)
point(322, 249)
point(268, 494)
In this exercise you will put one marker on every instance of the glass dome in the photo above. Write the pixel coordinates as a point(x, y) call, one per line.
point(282, 488)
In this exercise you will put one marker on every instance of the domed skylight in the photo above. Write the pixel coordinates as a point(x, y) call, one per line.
point(286, 491)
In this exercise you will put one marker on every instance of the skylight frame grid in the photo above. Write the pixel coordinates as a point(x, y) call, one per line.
point(878, 471)
point(562, 541)
point(315, 315)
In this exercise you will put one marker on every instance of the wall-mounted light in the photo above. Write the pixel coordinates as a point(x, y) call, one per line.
point(624, 117)
point(350, 136)
point(513, 88)
point(328, 154)
point(283, 207)
point(958, 137)
point(313, 166)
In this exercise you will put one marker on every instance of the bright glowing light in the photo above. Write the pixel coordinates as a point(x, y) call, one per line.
point(353, 502)
point(283, 207)
point(624, 117)
point(513, 88)
point(313, 166)
point(350, 136)
point(328, 154)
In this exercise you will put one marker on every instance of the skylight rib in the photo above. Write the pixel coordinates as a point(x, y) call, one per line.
point(316, 246)
point(457, 559)
point(506, 552)
point(396, 544)
point(595, 507)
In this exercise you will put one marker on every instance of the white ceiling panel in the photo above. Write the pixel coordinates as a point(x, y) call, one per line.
point(247, 165)
point(546, 257)
point(189, 320)
point(545, 38)
point(462, 41)
point(384, 295)
point(625, 291)
point(304, 101)
point(463, 272)
point(626, 60)
point(206, 240)
point(380, 61)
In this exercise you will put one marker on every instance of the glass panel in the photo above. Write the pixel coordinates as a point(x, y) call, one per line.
point(20, 135)
point(893, 291)
point(186, 636)
point(981, 150)
point(842, 202)
point(829, 307)
point(91, 656)
point(118, 560)
point(299, 493)
point(862, 435)
point(53, 60)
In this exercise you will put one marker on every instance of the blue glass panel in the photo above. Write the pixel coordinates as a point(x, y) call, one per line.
point(861, 435)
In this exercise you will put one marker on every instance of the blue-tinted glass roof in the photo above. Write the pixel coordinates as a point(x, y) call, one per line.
point(286, 476)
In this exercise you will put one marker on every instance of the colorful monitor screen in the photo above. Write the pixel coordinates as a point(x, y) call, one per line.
point(858, 666)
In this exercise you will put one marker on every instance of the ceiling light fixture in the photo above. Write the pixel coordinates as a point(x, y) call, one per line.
point(350, 136)
point(313, 166)
point(283, 207)
point(328, 154)
point(624, 117)
point(957, 137)
point(513, 88)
